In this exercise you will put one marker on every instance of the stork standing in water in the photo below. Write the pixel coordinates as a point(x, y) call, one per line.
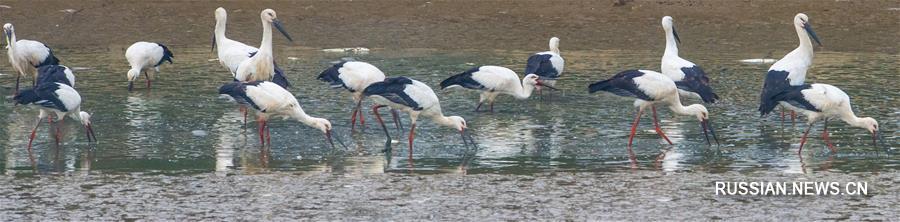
point(690, 79)
point(415, 98)
point(270, 99)
point(493, 81)
point(144, 57)
point(58, 98)
point(232, 53)
point(260, 66)
point(548, 65)
point(355, 77)
point(821, 102)
point(790, 70)
point(652, 88)
point(26, 55)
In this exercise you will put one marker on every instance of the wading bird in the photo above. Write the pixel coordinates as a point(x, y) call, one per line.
point(651, 88)
point(56, 73)
point(260, 66)
point(270, 99)
point(144, 57)
point(231, 53)
point(493, 81)
point(790, 70)
point(415, 98)
point(689, 77)
point(548, 65)
point(58, 98)
point(26, 55)
point(821, 102)
point(355, 77)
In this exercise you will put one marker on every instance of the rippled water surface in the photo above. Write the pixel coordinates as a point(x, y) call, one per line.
point(181, 125)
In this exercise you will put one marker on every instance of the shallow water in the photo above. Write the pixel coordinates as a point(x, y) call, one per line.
point(180, 152)
point(150, 130)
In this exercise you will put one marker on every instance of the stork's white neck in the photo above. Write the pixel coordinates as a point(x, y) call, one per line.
point(523, 91)
point(266, 45)
point(220, 28)
point(671, 44)
point(554, 46)
point(805, 48)
point(851, 119)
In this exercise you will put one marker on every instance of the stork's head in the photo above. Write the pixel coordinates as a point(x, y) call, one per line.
point(802, 21)
point(869, 124)
point(457, 123)
point(703, 115)
point(133, 74)
point(531, 79)
point(88, 127)
point(669, 24)
point(322, 124)
point(269, 16)
point(221, 14)
point(554, 45)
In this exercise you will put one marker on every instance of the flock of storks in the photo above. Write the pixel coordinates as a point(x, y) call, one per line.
point(261, 85)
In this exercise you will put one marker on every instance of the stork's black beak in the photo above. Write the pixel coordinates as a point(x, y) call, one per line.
point(330, 141)
point(213, 47)
point(277, 24)
point(89, 131)
point(130, 86)
point(8, 37)
point(675, 33)
point(467, 135)
point(539, 83)
point(809, 30)
point(707, 126)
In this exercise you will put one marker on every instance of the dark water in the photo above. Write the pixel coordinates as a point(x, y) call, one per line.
point(151, 130)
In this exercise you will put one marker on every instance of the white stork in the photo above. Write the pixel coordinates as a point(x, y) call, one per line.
point(548, 65)
point(58, 98)
point(26, 55)
point(355, 77)
point(144, 57)
point(270, 99)
point(493, 81)
point(790, 70)
point(690, 79)
point(260, 66)
point(821, 102)
point(415, 98)
point(231, 53)
point(651, 88)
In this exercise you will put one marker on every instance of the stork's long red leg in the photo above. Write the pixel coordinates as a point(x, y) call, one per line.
point(803, 140)
point(637, 119)
point(148, 79)
point(793, 117)
point(659, 130)
point(353, 115)
point(782, 114)
point(825, 137)
point(378, 117)
point(412, 135)
point(262, 125)
point(268, 135)
point(33, 132)
point(58, 131)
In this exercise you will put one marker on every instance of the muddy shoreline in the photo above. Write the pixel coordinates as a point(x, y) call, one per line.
point(753, 26)
point(625, 195)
